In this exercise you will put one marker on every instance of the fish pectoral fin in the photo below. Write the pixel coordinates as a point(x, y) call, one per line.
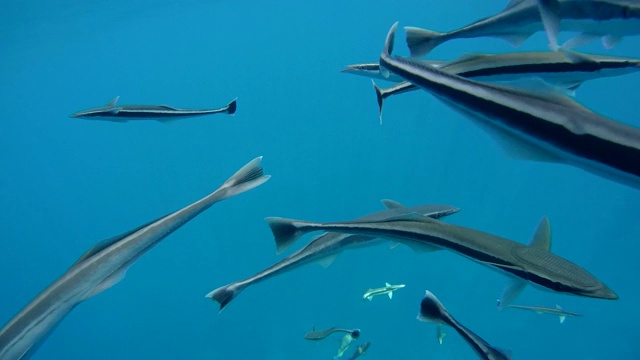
point(562, 319)
point(610, 41)
point(390, 295)
point(542, 237)
point(107, 283)
point(391, 204)
point(326, 261)
point(511, 291)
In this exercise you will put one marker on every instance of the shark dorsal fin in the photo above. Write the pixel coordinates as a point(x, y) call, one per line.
point(391, 204)
point(113, 101)
point(542, 237)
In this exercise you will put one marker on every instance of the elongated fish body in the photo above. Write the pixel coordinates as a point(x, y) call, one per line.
point(388, 290)
point(360, 350)
point(432, 310)
point(521, 18)
point(321, 334)
point(104, 265)
point(325, 248)
point(558, 311)
point(541, 126)
point(372, 70)
point(121, 113)
point(530, 263)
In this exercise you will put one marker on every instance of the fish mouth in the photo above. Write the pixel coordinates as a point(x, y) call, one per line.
point(606, 293)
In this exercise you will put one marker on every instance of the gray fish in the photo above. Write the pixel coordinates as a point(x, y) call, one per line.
point(121, 113)
point(533, 263)
point(608, 19)
point(360, 350)
point(326, 247)
point(321, 334)
point(560, 312)
point(538, 125)
point(104, 265)
point(387, 289)
point(432, 310)
point(372, 70)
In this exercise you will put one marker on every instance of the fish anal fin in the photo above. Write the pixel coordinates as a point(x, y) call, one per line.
point(114, 110)
point(511, 291)
point(391, 204)
point(326, 261)
point(542, 237)
point(562, 319)
point(390, 295)
point(107, 283)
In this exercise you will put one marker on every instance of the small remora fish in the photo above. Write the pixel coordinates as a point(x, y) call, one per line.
point(533, 263)
point(388, 289)
point(558, 311)
point(360, 350)
point(610, 20)
point(372, 70)
point(432, 310)
point(440, 334)
point(104, 265)
point(537, 125)
point(326, 247)
point(321, 334)
point(121, 113)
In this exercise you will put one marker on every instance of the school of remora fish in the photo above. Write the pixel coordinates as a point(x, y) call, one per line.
point(521, 98)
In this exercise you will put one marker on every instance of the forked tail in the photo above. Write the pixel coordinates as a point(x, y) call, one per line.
point(422, 41)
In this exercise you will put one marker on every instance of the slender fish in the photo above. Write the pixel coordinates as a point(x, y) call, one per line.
point(360, 350)
point(104, 265)
point(388, 290)
point(321, 334)
point(558, 311)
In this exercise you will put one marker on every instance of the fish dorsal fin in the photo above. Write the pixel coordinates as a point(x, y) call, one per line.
point(542, 237)
point(391, 204)
point(515, 39)
point(387, 284)
point(113, 101)
point(108, 282)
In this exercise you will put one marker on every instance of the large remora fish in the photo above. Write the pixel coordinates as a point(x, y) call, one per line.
point(544, 126)
point(432, 310)
point(121, 113)
point(104, 265)
point(325, 248)
point(533, 263)
point(608, 19)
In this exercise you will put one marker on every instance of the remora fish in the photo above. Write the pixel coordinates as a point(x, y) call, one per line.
point(432, 310)
point(121, 113)
point(560, 312)
point(387, 289)
point(372, 70)
point(553, 68)
point(521, 18)
point(326, 247)
point(360, 350)
point(104, 265)
point(321, 334)
point(533, 263)
point(543, 126)
point(440, 334)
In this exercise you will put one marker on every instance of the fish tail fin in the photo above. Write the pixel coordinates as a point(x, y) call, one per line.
point(224, 294)
point(248, 177)
point(380, 98)
point(232, 106)
point(285, 232)
point(422, 41)
point(550, 14)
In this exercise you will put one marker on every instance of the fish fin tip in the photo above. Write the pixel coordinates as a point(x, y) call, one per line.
point(422, 41)
point(285, 232)
point(232, 106)
point(113, 101)
point(223, 295)
point(249, 176)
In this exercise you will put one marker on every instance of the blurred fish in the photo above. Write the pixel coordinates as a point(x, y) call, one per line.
point(121, 113)
point(541, 124)
point(104, 265)
point(432, 310)
point(560, 312)
point(608, 19)
point(321, 334)
point(345, 343)
point(326, 247)
point(388, 289)
point(360, 350)
point(532, 263)
point(440, 333)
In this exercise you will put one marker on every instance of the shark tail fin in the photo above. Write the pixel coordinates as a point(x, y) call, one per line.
point(380, 99)
point(422, 41)
point(248, 177)
point(285, 232)
point(232, 106)
point(223, 295)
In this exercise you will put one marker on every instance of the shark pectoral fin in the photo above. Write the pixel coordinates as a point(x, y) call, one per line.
point(542, 237)
point(515, 39)
point(421, 247)
point(113, 101)
point(610, 41)
point(391, 204)
point(550, 14)
point(326, 261)
point(511, 291)
point(107, 283)
point(390, 295)
point(562, 318)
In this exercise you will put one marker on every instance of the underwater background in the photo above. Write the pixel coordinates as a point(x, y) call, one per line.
point(67, 183)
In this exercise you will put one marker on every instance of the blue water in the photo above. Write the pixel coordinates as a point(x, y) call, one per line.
point(67, 183)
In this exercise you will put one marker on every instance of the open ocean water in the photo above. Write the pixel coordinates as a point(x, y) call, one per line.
point(67, 183)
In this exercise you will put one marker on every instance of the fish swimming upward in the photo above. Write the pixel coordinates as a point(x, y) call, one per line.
point(533, 263)
point(104, 265)
point(388, 289)
point(325, 248)
point(558, 311)
point(608, 19)
point(432, 310)
point(121, 113)
point(537, 125)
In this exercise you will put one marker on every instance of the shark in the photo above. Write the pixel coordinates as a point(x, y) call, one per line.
point(325, 248)
point(609, 19)
point(387, 289)
point(104, 265)
point(541, 125)
point(432, 310)
point(123, 113)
